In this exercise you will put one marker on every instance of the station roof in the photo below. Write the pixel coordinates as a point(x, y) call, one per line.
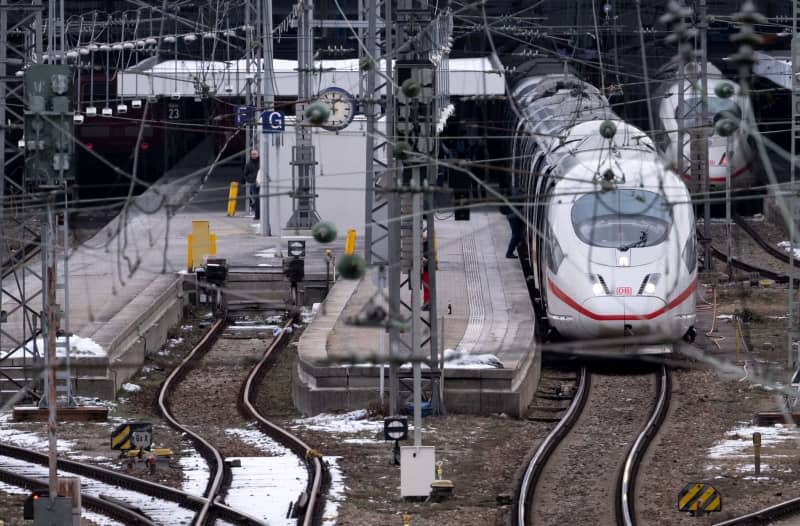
point(186, 78)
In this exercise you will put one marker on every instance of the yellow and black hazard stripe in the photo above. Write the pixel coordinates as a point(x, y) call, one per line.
point(121, 438)
point(699, 497)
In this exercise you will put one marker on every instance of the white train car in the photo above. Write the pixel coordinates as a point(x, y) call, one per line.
point(610, 234)
point(740, 166)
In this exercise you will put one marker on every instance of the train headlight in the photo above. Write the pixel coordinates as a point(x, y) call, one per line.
point(599, 287)
point(555, 254)
point(689, 254)
point(649, 284)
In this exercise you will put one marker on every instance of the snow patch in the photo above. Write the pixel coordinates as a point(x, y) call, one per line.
point(277, 481)
point(330, 513)
point(195, 472)
point(787, 247)
point(131, 388)
point(352, 422)
point(256, 438)
point(739, 445)
point(308, 315)
point(463, 360)
point(79, 347)
point(24, 439)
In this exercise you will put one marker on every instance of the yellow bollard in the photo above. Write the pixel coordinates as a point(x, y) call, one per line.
point(201, 242)
point(189, 259)
point(232, 194)
point(350, 242)
point(406, 519)
point(212, 244)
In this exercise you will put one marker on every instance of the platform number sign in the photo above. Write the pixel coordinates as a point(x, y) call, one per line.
point(142, 439)
point(273, 122)
point(173, 112)
point(132, 435)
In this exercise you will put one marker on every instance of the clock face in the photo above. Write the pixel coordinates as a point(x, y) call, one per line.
point(342, 108)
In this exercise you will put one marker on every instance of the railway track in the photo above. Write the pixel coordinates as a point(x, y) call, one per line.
point(766, 515)
point(314, 464)
point(161, 504)
point(761, 242)
point(309, 505)
point(571, 460)
point(102, 504)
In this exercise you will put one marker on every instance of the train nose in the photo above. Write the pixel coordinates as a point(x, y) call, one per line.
point(617, 316)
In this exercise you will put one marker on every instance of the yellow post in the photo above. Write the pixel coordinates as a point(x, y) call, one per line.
point(350, 242)
point(212, 241)
point(201, 242)
point(189, 266)
point(232, 194)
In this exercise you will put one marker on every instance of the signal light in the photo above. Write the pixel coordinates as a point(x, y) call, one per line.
point(145, 146)
point(89, 146)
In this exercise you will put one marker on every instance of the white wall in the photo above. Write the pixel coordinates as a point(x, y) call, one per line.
point(340, 177)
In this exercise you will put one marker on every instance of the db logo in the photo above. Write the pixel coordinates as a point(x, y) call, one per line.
point(624, 291)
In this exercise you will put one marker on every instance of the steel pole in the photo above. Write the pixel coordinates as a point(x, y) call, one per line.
point(267, 76)
point(703, 23)
point(790, 307)
point(393, 218)
point(52, 402)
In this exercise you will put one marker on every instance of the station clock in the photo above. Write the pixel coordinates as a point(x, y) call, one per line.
point(341, 105)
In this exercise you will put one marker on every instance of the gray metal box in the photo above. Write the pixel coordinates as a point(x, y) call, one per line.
point(52, 513)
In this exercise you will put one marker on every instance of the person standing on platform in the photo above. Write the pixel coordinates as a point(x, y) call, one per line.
point(250, 176)
point(517, 226)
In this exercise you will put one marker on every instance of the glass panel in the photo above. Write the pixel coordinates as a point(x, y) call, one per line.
point(622, 219)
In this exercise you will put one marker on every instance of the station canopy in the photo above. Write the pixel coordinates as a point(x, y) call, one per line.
point(187, 78)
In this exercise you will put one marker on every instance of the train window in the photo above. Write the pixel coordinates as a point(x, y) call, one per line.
point(622, 219)
point(716, 106)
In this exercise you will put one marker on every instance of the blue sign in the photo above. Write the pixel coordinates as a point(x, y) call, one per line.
point(273, 122)
point(245, 114)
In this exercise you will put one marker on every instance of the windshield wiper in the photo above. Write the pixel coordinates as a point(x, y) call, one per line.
point(640, 243)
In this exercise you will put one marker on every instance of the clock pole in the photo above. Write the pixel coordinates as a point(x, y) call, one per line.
point(304, 213)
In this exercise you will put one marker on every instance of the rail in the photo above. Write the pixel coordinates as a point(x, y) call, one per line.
point(105, 507)
point(546, 449)
point(208, 451)
point(765, 515)
point(315, 502)
point(627, 483)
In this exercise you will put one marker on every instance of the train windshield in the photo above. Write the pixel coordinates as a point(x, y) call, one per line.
point(692, 110)
point(622, 219)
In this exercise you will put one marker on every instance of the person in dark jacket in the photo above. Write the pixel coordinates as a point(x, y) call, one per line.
point(517, 228)
point(249, 176)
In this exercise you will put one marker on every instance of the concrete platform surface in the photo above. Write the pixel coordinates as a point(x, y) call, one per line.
point(125, 283)
point(483, 307)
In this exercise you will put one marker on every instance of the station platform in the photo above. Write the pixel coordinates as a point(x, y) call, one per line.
point(485, 313)
point(128, 284)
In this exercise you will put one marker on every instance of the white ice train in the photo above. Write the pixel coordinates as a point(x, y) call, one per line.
point(610, 233)
point(668, 118)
